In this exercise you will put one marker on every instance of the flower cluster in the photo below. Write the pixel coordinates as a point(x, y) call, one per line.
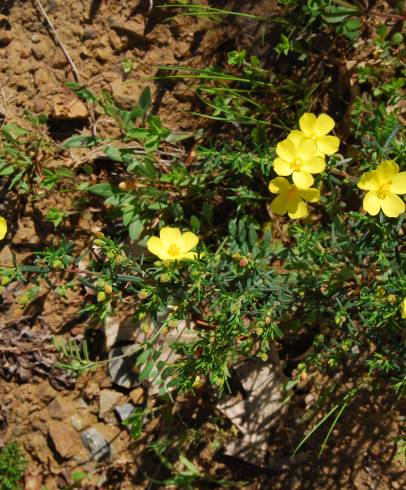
point(301, 155)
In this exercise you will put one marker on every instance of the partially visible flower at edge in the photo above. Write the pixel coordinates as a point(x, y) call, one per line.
point(317, 129)
point(299, 157)
point(291, 199)
point(173, 245)
point(3, 227)
point(383, 184)
point(403, 307)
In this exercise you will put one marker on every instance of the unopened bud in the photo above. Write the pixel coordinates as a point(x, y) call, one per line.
point(101, 296)
point(57, 264)
point(165, 277)
point(380, 292)
point(243, 262)
point(263, 356)
point(108, 289)
point(122, 185)
point(23, 299)
point(143, 294)
point(101, 283)
point(98, 242)
point(5, 280)
point(391, 298)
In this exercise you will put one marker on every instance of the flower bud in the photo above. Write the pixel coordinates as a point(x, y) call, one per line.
point(143, 294)
point(98, 242)
point(57, 264)
point(5, 280)
point(165, 277)
point(101, 296)
point(108, 289)
point(243, 262)
point(391, 298)
point(23, 299)
point(101, 283)
point(263, 356)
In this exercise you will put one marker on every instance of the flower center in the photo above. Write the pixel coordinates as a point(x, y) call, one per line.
point(174, 250)
point(383, 191)
point(296, 165)
point(291, 192)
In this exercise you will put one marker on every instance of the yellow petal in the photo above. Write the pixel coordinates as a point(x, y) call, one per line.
point(169, 236)
point(306, 149)
point(324, 124)
point(404, 309)
point(393, 206)
point(282, 167)
point(189, 256)
point(369, 181)
point(279, 185)
point(387, 170)
point(301, 211)
point(286, 149)
point(3, 227)
point(188, 241)
point(398, 185)
point(371, 203)
point(307, 124)
point(295, 136)
point(302, 180)
point(155, 246)
point(315, 165)
point(278, 205)
point(310, 195)
point(328, 144)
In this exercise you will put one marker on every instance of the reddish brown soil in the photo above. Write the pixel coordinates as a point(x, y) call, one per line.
point(98, 36)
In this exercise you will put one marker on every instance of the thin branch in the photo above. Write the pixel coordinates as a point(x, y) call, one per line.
point(58, 40)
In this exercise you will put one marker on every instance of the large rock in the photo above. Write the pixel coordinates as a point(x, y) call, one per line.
point(107, 400)
point(64, 438)
point(254, 413)
point(97, 444)
point(121, 369)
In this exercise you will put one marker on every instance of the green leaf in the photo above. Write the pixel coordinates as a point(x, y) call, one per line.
point(82, 91)
point(144, 374)
point(135, 229)
point(113, 153)
point(104, 189)
point(145, 99)
point(79, 141)
point(333, 14)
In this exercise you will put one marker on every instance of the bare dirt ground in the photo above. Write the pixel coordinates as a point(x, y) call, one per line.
point(43, 408)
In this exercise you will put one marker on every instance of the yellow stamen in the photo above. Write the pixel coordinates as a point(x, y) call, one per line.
point(292, 191)
point(296, 165)
point(383, 191)
point(174, 250)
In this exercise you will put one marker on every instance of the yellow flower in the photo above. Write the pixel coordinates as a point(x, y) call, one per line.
point(317, 129)
point(383, 185)
point(3, 227)
point(173, 245)
point(299, 157)
point(403, 306)
point(291, 198)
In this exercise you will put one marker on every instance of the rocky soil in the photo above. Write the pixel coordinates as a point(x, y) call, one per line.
point(65, 425)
